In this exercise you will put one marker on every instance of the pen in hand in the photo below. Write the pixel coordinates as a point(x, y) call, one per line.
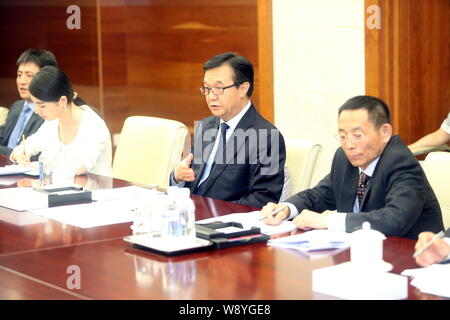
point(24, 152)
point(23, 142)
point(275, 211)
point(436, 236)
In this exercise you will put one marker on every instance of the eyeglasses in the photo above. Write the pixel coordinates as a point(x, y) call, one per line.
point(216, 90)
point(353, 137)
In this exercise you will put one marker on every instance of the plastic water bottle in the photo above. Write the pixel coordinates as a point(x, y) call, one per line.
point(170, 220)
point(188, 212)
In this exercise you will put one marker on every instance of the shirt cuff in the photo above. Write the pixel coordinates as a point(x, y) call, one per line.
point(336, 221)
point(174, 184)
point(293, 211)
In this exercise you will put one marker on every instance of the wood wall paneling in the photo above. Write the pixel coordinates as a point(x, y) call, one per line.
point(140, 57)
point(38, 24)
point(265, 58)
point(153, 54)
point(408, 63)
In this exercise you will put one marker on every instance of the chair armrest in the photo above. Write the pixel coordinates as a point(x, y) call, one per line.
point(425, 150)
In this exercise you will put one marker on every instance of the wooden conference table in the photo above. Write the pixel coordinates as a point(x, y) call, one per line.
point(35, 256)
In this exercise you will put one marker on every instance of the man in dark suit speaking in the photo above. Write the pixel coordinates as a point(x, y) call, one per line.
point(374, 177)
point(21, 119)
point(237, 154)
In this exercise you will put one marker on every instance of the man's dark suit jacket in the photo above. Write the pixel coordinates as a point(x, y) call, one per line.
point(242, 179)
point(31, 127)
point(399, 200)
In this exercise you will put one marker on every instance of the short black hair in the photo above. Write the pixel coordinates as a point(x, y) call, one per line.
point(377, 109)
point(242, 67)
point(39, 57)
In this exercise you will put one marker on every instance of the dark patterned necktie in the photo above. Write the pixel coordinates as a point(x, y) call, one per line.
point(362, 186)
point(222, 142)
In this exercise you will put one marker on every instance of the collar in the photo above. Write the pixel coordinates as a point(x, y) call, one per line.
point(370, 168)
point(233, 122)
point(28, 104)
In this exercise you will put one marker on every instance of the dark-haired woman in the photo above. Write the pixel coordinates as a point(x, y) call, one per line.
point(72, 132)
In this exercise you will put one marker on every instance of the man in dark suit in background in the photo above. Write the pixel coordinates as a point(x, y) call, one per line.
point(374, 177)
point(237, 154)
point(21, 119)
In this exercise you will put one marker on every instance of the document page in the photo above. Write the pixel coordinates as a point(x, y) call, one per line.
point(89, 215)
point(434, 279)
point(110, 206)
point(14, 169)
point(23, 199)
point(313, 240)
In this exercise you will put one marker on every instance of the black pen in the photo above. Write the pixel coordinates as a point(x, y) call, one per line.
point(276, 211)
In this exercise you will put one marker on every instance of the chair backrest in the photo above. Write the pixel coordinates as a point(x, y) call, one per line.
point(301, 159)
point(3, 114)
point(437, 170)
point(148, 150)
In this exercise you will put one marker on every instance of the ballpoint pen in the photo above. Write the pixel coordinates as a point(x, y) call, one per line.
point(23, 142)
point(41, 173)
point(276, 211)
point(436, 236)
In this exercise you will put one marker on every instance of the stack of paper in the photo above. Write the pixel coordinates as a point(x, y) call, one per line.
point(313, 240)
point(252, 219)
point(22, 199)
point(111, 206)
point(14, 169)
point(88, 215)
point(123, 193)
point(434, 279)
point(347, 281)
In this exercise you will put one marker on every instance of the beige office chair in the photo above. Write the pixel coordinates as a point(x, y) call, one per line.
point(3, 114)
point(301, 159)
point(437, 168)
point(148, 150)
